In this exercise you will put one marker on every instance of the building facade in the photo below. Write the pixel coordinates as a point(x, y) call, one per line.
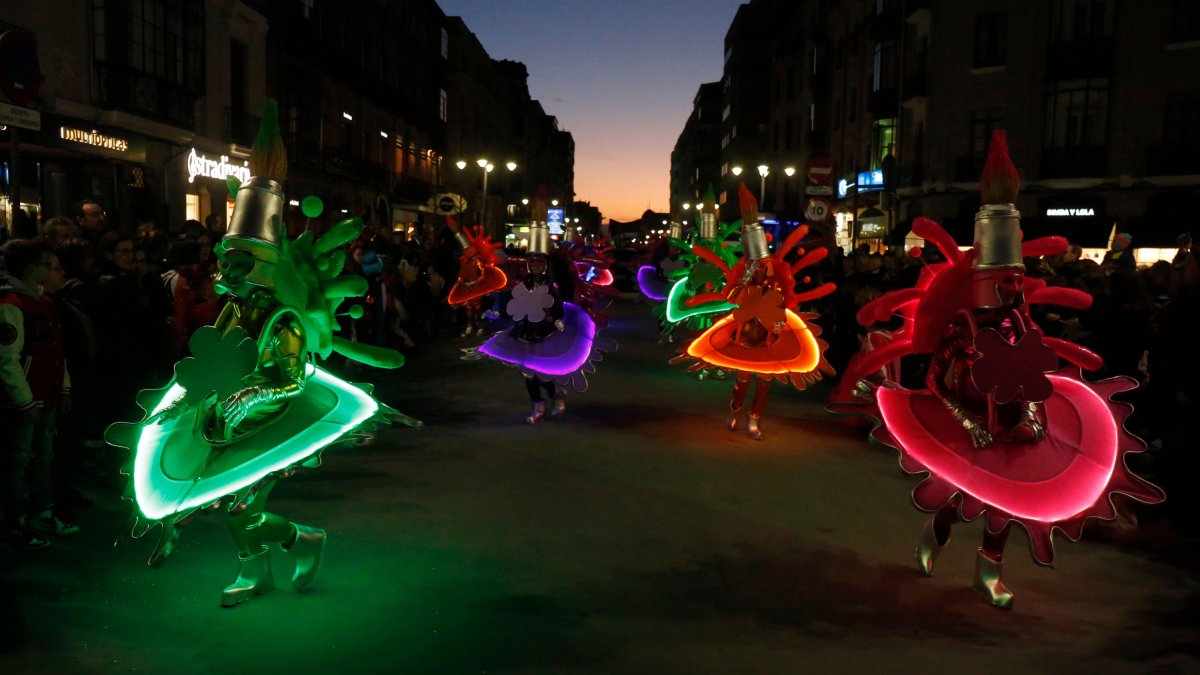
point(1098, 97)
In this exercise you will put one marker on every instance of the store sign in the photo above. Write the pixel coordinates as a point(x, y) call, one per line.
point(93, 138)
point(554, 220)
point(22, 118)
point(1071, 213)
point(200, 165)
point(870, 180)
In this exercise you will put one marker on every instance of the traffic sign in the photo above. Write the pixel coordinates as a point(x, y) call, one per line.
point(823, 190)
point(23, 118)
point(448, 204)
point(817, 209)
point(819, 170)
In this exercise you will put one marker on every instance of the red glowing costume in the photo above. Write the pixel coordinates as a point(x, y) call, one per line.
point(1000, 429)
point(762, 339)
point(478, 271)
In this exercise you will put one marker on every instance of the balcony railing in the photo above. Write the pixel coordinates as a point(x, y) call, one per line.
point(123, 88)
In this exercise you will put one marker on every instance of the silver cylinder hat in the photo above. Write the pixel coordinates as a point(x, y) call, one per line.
point(998, 237)
point(539, 239)
point(675, 231)
point(754, 242)
point(708, 225)
point(257, 222)
point(462, 240)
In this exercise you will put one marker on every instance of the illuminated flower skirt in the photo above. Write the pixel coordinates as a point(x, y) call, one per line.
point(796, 354)
point(175, 470)
point(565, 356)
point(1056, 483)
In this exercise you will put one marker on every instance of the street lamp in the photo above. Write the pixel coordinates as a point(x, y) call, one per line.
point(763, 172)
point(737, 170)
point(487, 167)
point(789, 171)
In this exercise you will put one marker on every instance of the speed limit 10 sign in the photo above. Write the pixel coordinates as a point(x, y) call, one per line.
point(817, 210)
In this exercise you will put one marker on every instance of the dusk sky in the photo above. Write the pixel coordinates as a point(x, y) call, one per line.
point(620, 75)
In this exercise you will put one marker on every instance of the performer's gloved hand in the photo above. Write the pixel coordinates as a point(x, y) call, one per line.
point(559, 325)
point(175, 409)
point(239, 404)
point(980, 437)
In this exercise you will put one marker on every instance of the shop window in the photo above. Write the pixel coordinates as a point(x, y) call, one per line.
point(1077, 114)
point(990, 40)
point(192, 207)
point(443, 105)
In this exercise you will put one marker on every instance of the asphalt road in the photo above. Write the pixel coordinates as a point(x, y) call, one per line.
point(635, 535)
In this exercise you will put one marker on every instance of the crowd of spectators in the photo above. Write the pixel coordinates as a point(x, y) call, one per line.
point(127, 303)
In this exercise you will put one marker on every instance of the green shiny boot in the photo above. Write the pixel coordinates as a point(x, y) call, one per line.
point(254, 578)
point(307, 549)
point(928, 549)
point(988, 583)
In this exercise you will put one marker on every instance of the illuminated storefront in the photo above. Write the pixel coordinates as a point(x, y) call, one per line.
point(67, 160)
point(206, 190)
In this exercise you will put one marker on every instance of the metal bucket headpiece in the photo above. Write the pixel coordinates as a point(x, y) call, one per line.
point(539, 239)
point(754, 242)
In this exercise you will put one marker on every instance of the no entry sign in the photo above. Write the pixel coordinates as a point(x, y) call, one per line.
point(819, 170)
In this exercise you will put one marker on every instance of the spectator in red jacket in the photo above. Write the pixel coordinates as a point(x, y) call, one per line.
point(34, 385)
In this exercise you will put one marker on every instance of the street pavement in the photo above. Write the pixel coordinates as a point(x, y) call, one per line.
point(634, 535)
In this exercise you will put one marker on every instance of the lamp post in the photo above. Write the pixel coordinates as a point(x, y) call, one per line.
point(487, 167)
point(763, 172)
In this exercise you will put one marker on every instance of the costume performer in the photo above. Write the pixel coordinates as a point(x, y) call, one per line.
point(700, 277)
point(249, 406)
point(1001, 429)
point(762, 339)
point(594, 289)
point(479, 273)
point(553, 341)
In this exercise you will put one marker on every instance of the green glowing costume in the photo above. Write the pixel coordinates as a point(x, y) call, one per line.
point(699, 276)
point(250, 405)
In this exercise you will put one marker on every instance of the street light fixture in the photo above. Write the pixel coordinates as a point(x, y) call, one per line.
point(487, 167)
point(763, 172)
point(737, 170)
point(789, 171)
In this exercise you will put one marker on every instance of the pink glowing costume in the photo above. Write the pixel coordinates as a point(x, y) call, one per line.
point(1001, 429)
